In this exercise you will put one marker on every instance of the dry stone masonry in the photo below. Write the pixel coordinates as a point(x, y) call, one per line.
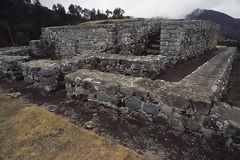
point(118, 64)
point(183, 39)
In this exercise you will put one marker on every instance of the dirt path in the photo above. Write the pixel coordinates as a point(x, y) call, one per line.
point(28, 132)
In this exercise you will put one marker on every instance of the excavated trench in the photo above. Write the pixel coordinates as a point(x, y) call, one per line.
point(132, 130)
point(232, 96)
point(183, 69)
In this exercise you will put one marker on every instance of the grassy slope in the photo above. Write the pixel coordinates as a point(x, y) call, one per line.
point(30, 132)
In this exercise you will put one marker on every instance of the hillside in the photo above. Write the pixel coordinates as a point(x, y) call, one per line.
point(230, 27)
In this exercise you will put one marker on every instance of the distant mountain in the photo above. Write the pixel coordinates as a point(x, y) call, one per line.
point(230, 27)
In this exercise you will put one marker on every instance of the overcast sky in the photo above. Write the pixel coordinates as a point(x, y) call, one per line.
point(155, 8)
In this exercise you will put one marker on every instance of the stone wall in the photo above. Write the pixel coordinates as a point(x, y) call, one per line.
point(178, 39)
point(80, 39)
point(36, 50)
point(18, 51)
point(186, 39)
point(123, 38)
point(145, 66)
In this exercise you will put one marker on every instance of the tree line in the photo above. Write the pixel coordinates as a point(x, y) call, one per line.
point(87, 14)
point(22, 20)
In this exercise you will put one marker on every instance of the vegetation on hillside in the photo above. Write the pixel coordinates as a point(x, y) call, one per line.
point(22, 20)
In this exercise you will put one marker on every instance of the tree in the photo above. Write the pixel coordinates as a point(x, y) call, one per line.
point(108, 13)
point(79, 10)
point(54, 7)
point(72, 10)
point(59, 9)
point(118, 13)
point(37, 3)
point(86, 13)
point(100, 15)
point(27, 1)
point(93, 14)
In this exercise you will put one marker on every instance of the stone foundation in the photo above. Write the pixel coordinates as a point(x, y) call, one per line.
point(185, 109)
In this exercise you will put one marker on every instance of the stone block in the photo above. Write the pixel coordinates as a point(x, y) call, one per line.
point(133, 103)
point(111, 89)
point(150, 108)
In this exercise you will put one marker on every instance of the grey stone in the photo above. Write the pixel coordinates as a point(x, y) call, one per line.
point(48, 72)
point(160, 119)
point(133, 103)
point(233, 128)
point(210, 123)
point(81, 91)
point(103, 97)
point(216, 137)
point(111, 89)
point(28, 80)
point(15, 95)
point(69, 113)
point(174, 121)
point(179, 102)
point(152, 109)
point(52, 108)
point(201, 107)
point(192, 125)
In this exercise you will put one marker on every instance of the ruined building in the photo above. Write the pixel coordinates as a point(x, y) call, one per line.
point(119, 64)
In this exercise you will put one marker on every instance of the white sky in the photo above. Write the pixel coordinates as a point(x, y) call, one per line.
point(154, 8)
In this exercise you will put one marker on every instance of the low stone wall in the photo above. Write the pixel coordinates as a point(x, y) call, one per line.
point(186, 39)
point(10, 66)
point(209, 81)
point(187, 108)
point(145, 66)
point(44, 73)
point(17, 51)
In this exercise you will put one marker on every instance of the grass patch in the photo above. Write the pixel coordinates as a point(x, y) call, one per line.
point(30, 132)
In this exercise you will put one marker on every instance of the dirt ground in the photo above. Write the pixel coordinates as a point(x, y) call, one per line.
point(29, 132)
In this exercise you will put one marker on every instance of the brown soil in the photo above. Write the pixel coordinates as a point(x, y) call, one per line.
point(132, 130)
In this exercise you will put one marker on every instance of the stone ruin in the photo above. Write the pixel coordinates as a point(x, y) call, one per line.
point(118, 64)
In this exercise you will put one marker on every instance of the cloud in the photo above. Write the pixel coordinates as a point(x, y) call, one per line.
point(155, 8)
